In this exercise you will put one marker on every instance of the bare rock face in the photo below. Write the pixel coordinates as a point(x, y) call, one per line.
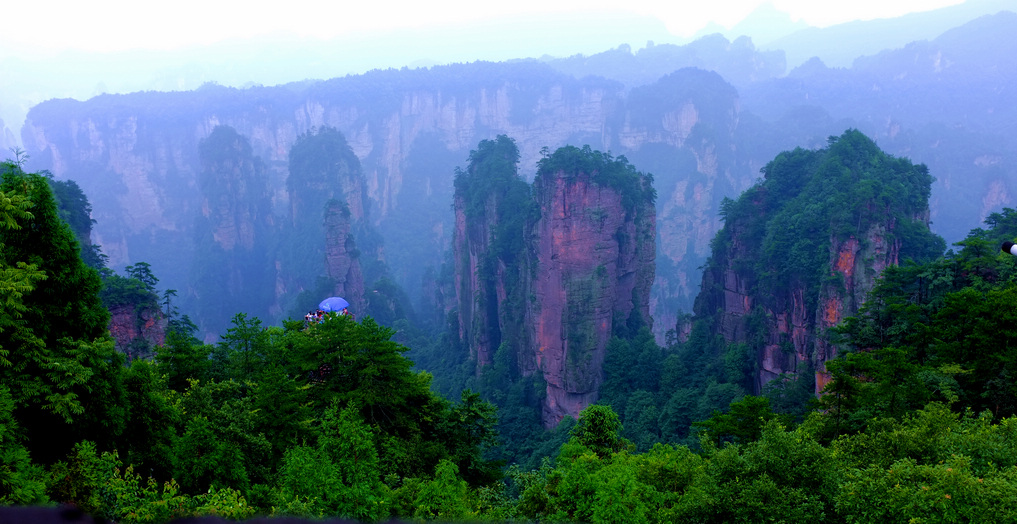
point(342, 263)
point(595, 265)
point(137, 329)
point(471, 244)
point(7, 139)
point(231, 232)
point(547, 273)
point(857, 264)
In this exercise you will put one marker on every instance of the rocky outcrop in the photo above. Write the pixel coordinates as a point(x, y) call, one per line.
point(137, 329)
point(594, 268)
point(550, 275)
point(477, 294)
point(855, 263)
point(7, 139)
point(493, 216)
point(771, 283)
point(231, 234)
point(342, 261)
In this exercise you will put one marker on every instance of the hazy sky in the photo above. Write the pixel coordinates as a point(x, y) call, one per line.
point(80, 49)
point(44, 26)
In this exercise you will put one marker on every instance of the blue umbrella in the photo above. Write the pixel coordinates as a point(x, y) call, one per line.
point(333, 304)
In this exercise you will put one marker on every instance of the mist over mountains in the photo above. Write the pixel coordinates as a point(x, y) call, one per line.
point(31, 76)
point(703, 118)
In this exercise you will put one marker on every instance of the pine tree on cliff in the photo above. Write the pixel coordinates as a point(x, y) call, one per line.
point(800, 250)
point(75, 209)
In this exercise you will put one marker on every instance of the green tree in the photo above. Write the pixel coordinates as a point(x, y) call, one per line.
point(65, 358)
point(142, 271)
point(350, 446)
point(339, 477)
point(21, 482)
point(245, 347)
point(599, 430)
point(220, 445)
point(182, 356)
point(282, 410)
point(153, 421)
point(16, 276)
point(445, 497)
point(743, 422)
point(76, 211)
point(105, 488)
point(946, 492)
point(471, 430)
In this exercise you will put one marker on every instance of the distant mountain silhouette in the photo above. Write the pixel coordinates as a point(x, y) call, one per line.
point(840, 45)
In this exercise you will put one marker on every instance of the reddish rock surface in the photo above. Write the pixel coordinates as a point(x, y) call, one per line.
point(793, 329)
point(589, 263)
point(130, 324)
point(858, 263)
point(595, 265)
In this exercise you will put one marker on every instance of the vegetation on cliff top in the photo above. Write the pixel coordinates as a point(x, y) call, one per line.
point(634, 187)
point(330, 420)
point(939, 331)
point(785, 224)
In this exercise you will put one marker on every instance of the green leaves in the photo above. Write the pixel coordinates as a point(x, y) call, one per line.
point(21, 482)
point(743, 422)
point(340, 477)
point(103, 487)
point(599, 431)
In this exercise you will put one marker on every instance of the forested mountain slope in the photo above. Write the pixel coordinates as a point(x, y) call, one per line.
point(800, 251)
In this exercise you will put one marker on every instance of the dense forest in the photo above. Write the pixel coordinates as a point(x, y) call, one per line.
point(326, 419)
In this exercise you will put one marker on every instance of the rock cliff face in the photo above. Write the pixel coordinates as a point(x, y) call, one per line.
point(795, 335)
point(136, 155)
point(234, 191)
point(478, 300)
point(231, 234)
point(857, 263)
point(7, 139)
point(594, 268)
point(342, 264)
point(800, 251)
point(550, 275)
point(137, 329)
point(494, 211)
